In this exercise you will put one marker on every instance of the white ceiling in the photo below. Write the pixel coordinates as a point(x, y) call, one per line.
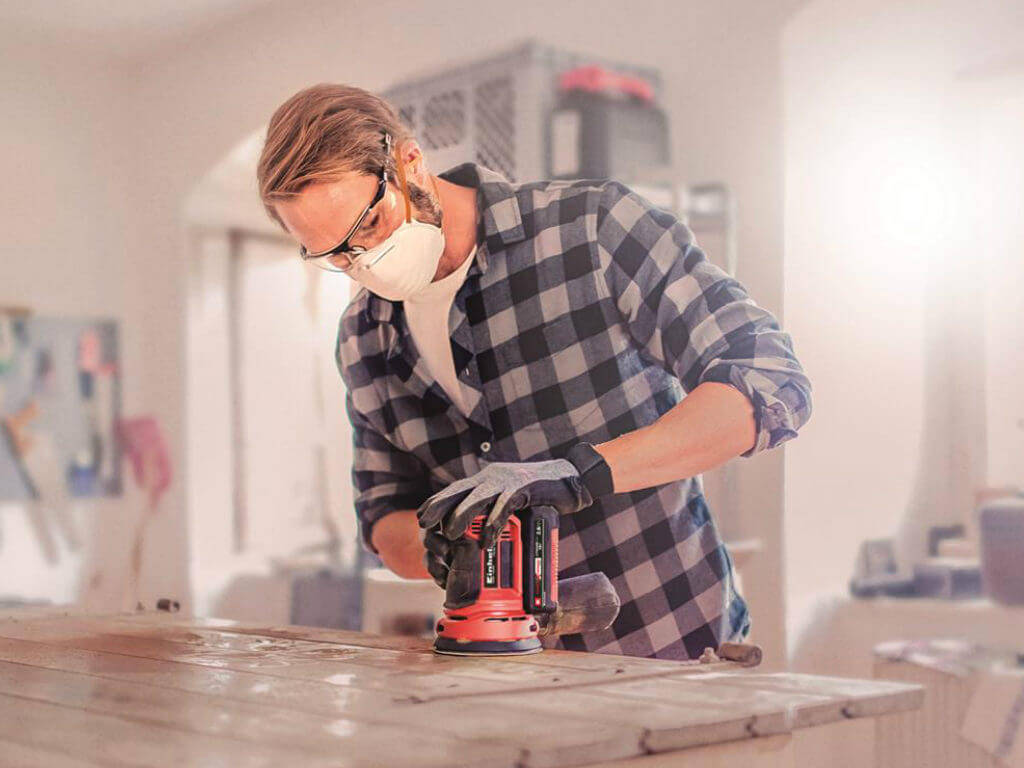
point(121, 27)
point(130, 28)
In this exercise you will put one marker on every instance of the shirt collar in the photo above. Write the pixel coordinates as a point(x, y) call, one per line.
point(499, 220)
point(499, 223)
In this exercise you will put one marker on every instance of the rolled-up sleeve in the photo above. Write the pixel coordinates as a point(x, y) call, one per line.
point(693, 318)
point(385, 479)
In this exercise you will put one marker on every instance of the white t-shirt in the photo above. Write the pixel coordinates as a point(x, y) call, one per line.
point(427, 313)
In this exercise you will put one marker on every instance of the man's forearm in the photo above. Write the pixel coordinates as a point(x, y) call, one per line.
point(712, 424)
point(397, 539)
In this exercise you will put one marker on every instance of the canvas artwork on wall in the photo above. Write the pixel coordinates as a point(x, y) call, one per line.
point(60, 398)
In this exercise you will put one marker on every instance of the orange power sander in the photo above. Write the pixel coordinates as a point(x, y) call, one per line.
point(501, 600)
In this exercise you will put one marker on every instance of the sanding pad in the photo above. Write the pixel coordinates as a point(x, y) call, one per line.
point(451, 647)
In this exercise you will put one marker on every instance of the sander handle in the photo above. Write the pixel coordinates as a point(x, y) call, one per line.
point(587, 603)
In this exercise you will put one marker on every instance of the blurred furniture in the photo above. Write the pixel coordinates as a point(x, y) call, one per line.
point(846, 630)
point(970, 717)
point(1001, 526)
point(841, 634)
point(393, 605)
point(499, 111)
point(538, 112)
point(327, 597)
point(156, 689)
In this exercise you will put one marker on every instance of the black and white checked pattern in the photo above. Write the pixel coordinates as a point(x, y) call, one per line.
point(586, 314)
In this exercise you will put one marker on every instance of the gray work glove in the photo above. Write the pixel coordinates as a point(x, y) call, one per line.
point(500, 489)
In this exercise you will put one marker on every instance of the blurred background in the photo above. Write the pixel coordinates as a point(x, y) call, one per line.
point(173, 420)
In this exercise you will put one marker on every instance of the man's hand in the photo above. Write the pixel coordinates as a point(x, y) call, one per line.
point(500, 489)
point(437, 557)
point(397, 540)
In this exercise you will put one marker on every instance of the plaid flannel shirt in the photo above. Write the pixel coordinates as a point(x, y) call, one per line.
point(587, 313)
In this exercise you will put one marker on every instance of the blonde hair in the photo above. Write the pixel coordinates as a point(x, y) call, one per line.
point(321, 133)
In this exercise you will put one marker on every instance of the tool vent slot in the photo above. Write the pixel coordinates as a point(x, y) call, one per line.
point(505, 563)
point(494, 125)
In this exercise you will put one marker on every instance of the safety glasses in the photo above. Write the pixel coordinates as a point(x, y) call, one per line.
point(344, 257)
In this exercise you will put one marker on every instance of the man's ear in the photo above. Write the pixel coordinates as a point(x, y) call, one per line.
point(415, 164)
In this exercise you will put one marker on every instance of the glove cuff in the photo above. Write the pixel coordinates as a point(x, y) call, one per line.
point(595, 473)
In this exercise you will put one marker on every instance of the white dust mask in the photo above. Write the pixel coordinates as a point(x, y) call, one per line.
point(404, 264)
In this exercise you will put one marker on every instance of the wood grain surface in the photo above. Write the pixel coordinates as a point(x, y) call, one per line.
point(157, 689)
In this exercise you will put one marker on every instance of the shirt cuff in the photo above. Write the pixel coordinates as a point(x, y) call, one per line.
point(774, 421)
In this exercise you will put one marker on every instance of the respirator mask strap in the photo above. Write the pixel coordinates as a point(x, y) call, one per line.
point(400, 168)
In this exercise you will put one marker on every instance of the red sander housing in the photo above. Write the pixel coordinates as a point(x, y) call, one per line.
point(499, 597)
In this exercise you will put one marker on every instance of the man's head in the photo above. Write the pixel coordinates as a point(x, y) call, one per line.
point(321, 163)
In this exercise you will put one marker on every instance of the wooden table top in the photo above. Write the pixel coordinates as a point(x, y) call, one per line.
point(158, 689)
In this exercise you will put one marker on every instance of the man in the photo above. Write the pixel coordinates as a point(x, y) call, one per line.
point(520, 344)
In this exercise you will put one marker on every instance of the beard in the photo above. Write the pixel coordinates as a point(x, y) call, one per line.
point(425, 205)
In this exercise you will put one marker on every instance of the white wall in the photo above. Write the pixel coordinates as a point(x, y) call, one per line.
point(1000, 107)
point(884, 276)
point(65, 204)
point(62, 200)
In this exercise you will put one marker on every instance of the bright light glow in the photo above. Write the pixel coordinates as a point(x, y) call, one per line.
point(914, 200)
point(896, 192)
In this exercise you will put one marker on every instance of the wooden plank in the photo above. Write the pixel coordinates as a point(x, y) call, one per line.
point(349, 741)
point(418, 645)
point(542, 739)
point(114, 741)
point(12, 754)
point(771, 752)
point(545, 711)
point(422, 677)
point(333, 665)
point(37, 611)
point(768, 704)
point(667, 725)
point(328, 699)
point(848, 698)
point(550, 657)
point(317, 697)
point(684, 712)
point(844, 744)
point(678, 720)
